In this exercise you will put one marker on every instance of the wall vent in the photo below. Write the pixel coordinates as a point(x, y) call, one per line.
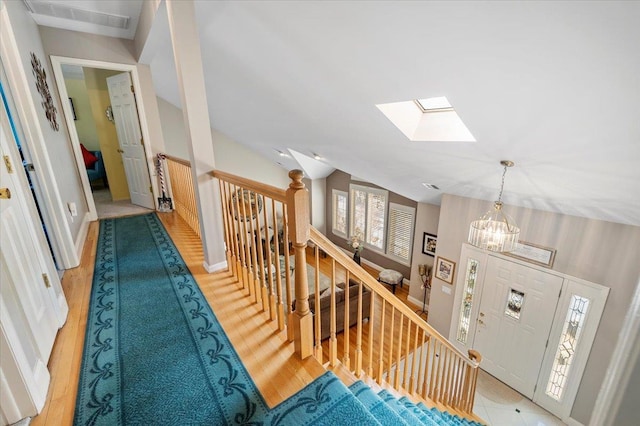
point(63, 11)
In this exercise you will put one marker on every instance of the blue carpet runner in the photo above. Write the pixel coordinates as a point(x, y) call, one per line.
point(155, 354)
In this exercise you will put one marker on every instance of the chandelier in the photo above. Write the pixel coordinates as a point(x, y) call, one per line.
point(495, 231)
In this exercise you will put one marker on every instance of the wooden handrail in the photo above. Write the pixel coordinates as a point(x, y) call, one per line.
point(358, 272)
point(408, 355)
point(178, 160)
point(257, 187)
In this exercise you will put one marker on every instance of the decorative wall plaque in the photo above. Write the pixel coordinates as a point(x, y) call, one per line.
point(43, 88)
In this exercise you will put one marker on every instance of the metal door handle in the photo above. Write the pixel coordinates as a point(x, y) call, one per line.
point(5, 193)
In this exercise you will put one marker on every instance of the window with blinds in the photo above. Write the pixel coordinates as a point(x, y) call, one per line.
point(368, 215)
point(400, 231)
point(339, 213)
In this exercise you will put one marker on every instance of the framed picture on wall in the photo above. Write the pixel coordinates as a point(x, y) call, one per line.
point(429, 244)
point(445, 269)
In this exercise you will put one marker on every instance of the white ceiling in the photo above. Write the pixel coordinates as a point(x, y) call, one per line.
point(553, 86)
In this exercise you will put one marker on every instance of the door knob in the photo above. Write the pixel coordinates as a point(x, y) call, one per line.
point(120, 151)
point(481, 314)
point(5, 193)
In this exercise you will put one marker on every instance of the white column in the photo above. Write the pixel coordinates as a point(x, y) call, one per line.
point(188, 59)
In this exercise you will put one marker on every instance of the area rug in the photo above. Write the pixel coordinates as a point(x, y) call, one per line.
point(156, 354)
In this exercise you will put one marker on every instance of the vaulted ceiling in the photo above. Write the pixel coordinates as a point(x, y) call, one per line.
point(552, 86)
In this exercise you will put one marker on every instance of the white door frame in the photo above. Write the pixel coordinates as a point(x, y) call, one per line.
point(56, 64)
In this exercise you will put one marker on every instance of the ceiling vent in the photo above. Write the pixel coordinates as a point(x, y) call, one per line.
point(57, 10)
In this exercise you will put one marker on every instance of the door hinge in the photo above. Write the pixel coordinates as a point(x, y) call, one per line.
point(150, 189)
point(132, 91)
point(535, 388)
point(7, 162)
point(141, 141)
point(45, 278)
point(560, 293)
point(546, 344)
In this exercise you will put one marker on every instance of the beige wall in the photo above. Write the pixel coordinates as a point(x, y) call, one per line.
point(340, 180)
point(427, 217)
point(230, 156)
point(601, 252)
point(85, 125)
point(98, 94)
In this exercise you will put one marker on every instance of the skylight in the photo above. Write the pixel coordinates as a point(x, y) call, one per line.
point(427, 120)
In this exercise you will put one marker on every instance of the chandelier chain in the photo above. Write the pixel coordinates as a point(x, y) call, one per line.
point(502, 184)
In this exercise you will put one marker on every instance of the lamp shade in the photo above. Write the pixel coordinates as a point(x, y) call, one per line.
point(495, 231)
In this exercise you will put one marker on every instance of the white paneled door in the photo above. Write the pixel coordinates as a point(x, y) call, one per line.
point(125, 114)
point(28, 314)
point(516, 313)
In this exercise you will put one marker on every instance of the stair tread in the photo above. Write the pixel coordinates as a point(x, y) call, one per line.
point(397, 406)
point(416, 411)
point(376, 405)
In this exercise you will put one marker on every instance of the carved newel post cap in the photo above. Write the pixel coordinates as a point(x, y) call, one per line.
point(296, 176)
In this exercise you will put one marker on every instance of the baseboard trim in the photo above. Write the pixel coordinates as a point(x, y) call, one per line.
point(220, 266)
point(82, 235)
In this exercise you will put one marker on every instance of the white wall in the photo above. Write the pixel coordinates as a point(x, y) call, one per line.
point(601, 252)
point(230, 156)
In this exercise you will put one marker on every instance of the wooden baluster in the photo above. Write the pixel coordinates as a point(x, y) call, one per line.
point(333, 341)
point(404, 382)
point(282, 300)
point(287, 268)
point(381, 340)
point(359, 327)
point(274, 262)
point(372, 311)
point(318, 313)
point(254, 229)
point(412, 381)
point(396, 378)
point(233, 242)
point(428, 372)
point(345, 326)
point(241, 238)
point(422, 375)
point(260, 265)
point(435, 373)
point(248, 223)
point(298, 212)
point(457, 383)
point(446, 395)
point(391, 339)
point(225, 224)
point(473, 378)
point(236, 235)
point(278, 266)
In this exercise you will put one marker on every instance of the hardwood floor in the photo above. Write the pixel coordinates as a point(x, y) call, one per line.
point(254, 337)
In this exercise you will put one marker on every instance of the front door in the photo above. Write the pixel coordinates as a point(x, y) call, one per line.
point(516, 313)
point(125, 114)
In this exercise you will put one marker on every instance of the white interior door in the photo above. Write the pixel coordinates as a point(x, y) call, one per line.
point(125, 114)
point(516, 313)
point(28, 319)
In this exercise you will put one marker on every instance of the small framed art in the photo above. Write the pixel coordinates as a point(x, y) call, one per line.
point(445, 269)
point(429, 244)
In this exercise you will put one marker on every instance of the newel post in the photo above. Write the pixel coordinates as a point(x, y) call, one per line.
point(299, 221)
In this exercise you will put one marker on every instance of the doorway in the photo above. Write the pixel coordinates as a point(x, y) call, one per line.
point(100, 134)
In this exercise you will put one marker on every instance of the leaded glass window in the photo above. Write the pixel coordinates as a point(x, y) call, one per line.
point(572, 329)
point(467, 301)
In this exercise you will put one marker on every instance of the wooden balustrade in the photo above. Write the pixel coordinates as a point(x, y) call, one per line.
point(267, 227)
point(183, 194)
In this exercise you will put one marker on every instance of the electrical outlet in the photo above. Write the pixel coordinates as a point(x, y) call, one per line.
point(446, 290)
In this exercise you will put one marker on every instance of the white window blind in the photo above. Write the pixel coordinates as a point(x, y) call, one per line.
point(400, 233)
point(368, 215)
point(339, 213)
